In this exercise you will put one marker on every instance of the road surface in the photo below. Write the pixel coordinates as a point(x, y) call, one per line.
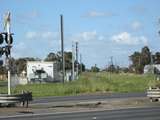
point(148, 113)
point(88, 97)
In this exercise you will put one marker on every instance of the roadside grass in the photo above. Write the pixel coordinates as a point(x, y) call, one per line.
point(3, 86)
point(87, 83)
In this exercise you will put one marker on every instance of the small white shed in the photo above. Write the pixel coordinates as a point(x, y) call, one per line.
point(151, 68)
point(41, 71)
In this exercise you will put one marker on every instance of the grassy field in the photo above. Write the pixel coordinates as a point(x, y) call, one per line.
point(88, 83)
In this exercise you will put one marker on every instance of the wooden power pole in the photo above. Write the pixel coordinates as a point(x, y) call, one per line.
point(62, 49)
point(77, 70)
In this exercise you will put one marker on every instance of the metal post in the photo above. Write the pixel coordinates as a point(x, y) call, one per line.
point(73, 60)
point(9, 82)
point(8, 33)
point(62, 49)
point(77, 60)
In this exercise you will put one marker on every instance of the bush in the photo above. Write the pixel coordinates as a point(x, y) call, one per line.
point(155, 83)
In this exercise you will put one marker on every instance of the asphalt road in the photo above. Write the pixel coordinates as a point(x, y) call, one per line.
point(88, 97)
point(149, 113)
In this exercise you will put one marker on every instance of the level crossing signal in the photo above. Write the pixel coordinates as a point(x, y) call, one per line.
point(7, 48)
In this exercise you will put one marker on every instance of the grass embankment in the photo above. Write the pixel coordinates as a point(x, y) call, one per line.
point(89, 83)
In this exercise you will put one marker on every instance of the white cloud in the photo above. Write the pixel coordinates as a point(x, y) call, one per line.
point(128, 39)
point(98, 14)
point(31, 35)
point(46, 35)
point(87, 36)
point(30, 46)
point(27, 17)
point(136, 25)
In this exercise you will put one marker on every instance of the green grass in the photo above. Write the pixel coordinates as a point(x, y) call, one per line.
point(3, 86)
point(88, 83)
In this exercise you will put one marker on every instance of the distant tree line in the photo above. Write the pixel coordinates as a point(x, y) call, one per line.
point(140, 59)
point(138, 62)
point(18, 65)
point(68, 60)
point(95, 68)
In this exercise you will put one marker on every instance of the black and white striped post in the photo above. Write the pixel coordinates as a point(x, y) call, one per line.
point(7, 28)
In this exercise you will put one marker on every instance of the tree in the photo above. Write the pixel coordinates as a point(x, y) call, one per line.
point(3, 70)
point(94, 68)
point(68, 59)
point(21, 64)
point(145, 56)
point(82, 66)
point(140, 59)
point(113, 68)
point(136, 62)
point(52, 57)
point(12, 65)
point(125, 69)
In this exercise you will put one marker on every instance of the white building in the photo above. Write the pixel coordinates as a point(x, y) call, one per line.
point(40, 71)
point(151, 68)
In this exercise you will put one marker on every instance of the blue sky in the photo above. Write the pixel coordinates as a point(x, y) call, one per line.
point(103, 28)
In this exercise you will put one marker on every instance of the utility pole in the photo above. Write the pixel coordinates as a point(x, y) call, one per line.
point(152, 68)
point(73, 60)
point(62, 49)
point(81, 63)
point(111, 67)
point(77, 60)
point(111, 63)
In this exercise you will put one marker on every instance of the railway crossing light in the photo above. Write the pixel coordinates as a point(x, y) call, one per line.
point(10, 40)
point(2, 50)
point(1, 62)
point(4, 37)
point(7, 51)
point(7, 48)
point(1, 39)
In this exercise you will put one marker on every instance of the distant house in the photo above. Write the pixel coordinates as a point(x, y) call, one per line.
point(41, 71)
point(155, 68)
